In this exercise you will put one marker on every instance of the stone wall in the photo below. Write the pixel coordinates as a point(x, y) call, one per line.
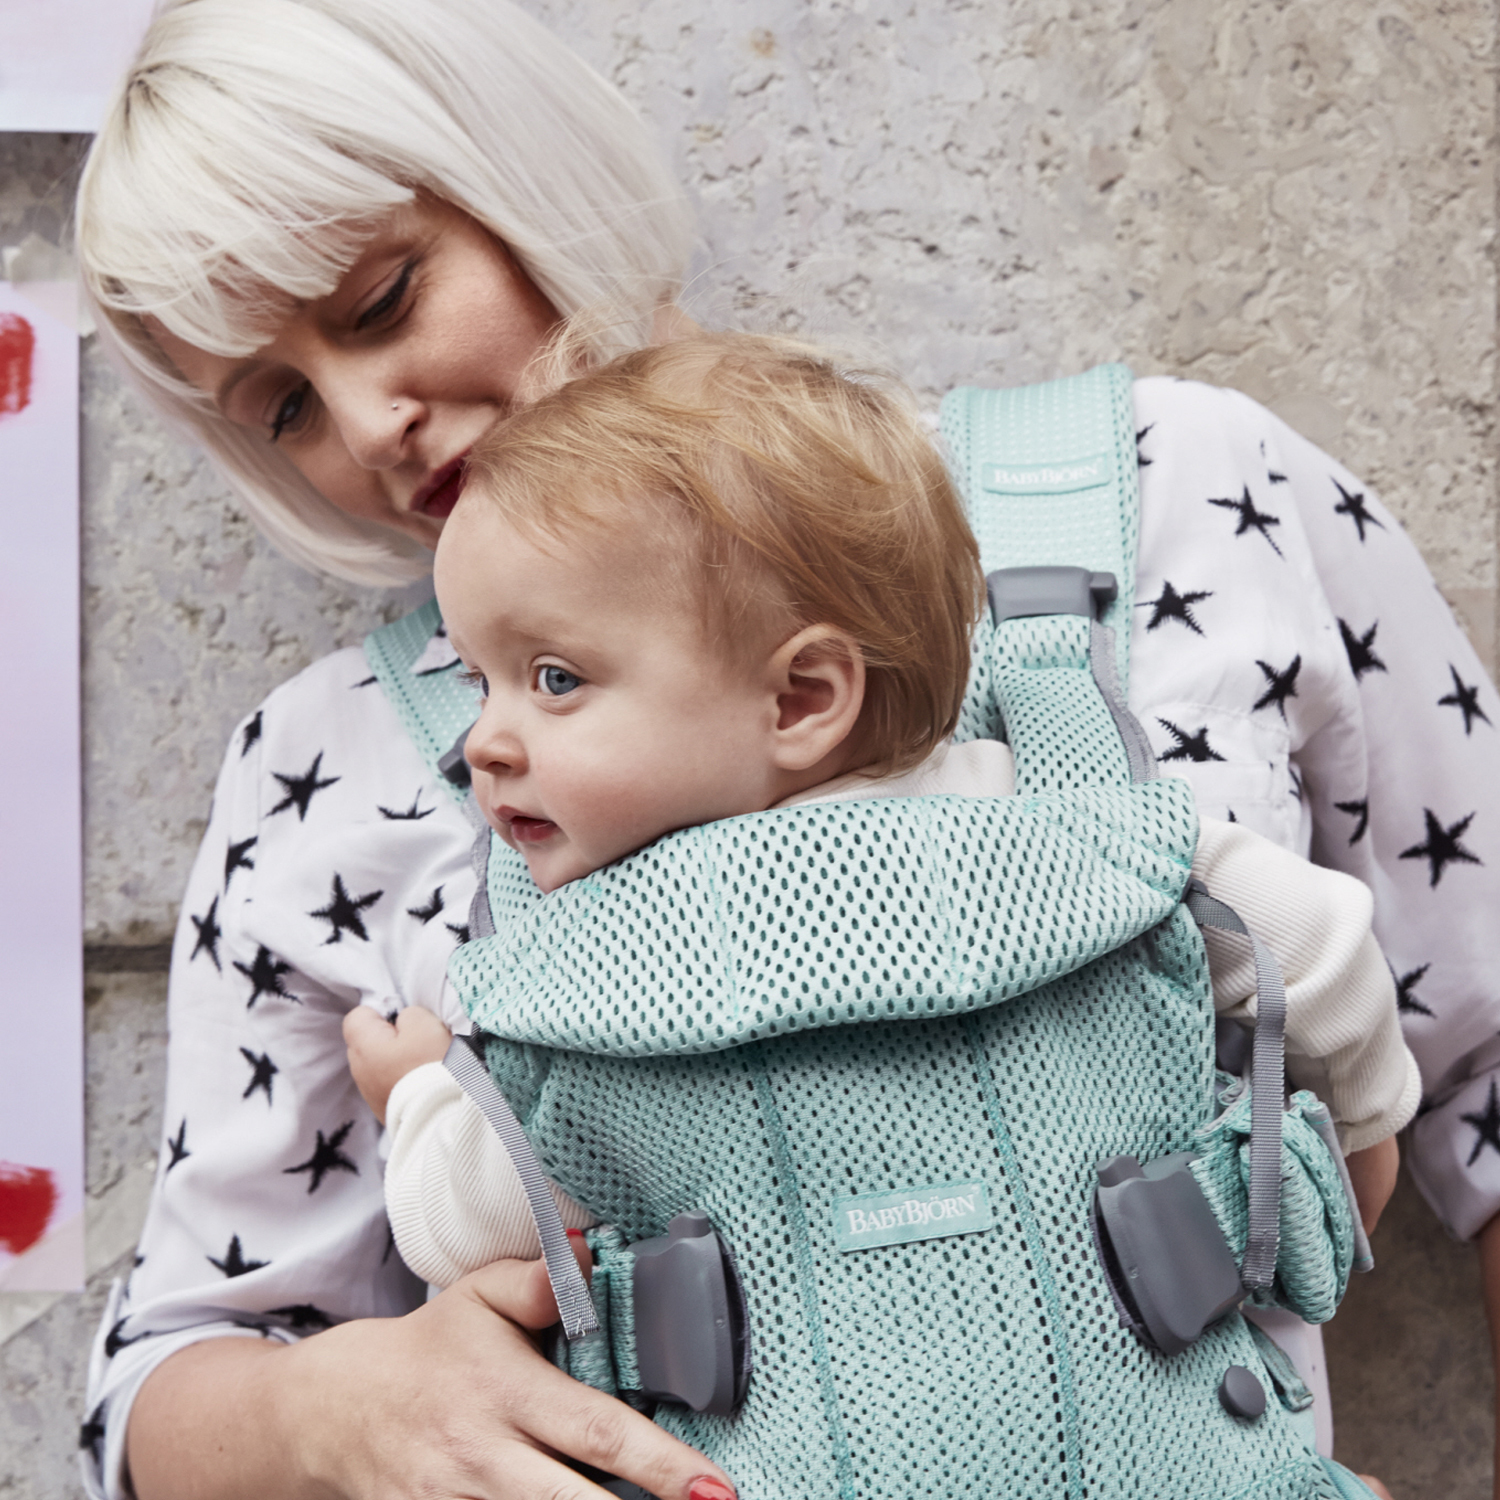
point(1297, 200)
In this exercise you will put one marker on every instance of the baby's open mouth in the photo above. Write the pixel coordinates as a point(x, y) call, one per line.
point(526, 830)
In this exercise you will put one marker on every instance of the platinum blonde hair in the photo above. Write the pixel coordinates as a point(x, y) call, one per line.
point(255, 145)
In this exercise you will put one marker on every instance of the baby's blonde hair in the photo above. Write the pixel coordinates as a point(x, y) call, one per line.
point(785, 491)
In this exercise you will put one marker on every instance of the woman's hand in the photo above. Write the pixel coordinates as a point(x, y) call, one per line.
point(451, 1400)
point(1373, 1175)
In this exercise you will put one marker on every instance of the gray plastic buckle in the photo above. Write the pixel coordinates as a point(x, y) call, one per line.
point(1167, 1262)
point(1016, 593)
point(451, 762)
point(690, 1323)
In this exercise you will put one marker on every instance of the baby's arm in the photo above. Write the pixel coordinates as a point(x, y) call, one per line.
point(451, 1191)
point(1343, 1032)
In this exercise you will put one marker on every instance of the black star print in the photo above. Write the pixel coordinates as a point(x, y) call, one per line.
point(302, 1315)
point(115, 1339)
point(300, 789)
point(1442, 847)
point(1296, 782)
point(234, 1262)
point(1174, 606)
point(1406, 1001)
point(209, 933)
point(1465, 698)
point(411, 814)
point(263, 1070)
point(342, 912)
point(1353, 506)
point(424, 914)
point(1274, 477)
point(1360, 812)
point(460, 930)
point(265, 976)
point(1488, 1126)
point(250, 736)
point(178, 1147)
point(1362, 657)
point(365, 681)
point(1141, 461)
point(238, 858)
point(91, 1433)
point(326, 1158)
point(1193, 746)
point(1250, 518)
point(1280, 685)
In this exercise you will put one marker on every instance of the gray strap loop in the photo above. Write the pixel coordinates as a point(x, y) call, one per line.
point(1267, 1090)
point(574, 1305)
point(1139, 755)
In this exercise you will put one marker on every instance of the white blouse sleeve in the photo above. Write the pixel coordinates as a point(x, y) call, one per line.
point(334, 870)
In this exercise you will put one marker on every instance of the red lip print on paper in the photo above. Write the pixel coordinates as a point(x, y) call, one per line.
point(28, 1198)
point(17, 345)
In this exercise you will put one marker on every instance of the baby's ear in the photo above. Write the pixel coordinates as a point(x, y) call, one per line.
point(819, 680)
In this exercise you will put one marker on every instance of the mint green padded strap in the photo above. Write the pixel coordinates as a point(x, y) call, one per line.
point(1049, 474)
point(434, 707)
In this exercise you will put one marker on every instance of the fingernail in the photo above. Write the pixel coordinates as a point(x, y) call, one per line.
point(576, 1233)
point(709, 1488)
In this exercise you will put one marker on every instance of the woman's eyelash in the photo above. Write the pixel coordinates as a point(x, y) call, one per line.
point(289, 413)
point(390, 301)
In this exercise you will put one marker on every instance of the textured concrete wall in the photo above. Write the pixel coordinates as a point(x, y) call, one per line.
point(1297, 200)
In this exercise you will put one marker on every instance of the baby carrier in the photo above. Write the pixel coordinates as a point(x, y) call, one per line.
point(902, 1116)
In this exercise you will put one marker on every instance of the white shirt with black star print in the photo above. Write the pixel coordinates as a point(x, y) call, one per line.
point(1291, 657)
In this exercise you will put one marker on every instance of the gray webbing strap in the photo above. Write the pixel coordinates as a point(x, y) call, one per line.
point(574, 1305)
point(1103, 662)
point(1267, 1090)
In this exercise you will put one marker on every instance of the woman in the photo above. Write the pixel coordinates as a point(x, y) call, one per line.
point(327, 237)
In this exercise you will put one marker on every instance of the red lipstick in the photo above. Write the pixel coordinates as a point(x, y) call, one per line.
point(440, 494)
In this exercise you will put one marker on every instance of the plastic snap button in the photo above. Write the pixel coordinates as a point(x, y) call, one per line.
point(1241, 1394)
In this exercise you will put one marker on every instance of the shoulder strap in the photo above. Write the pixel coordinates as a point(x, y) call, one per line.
point(1049, 474)
point(434, 704)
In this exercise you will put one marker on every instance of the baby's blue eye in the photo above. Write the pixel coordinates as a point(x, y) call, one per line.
point(557, 682)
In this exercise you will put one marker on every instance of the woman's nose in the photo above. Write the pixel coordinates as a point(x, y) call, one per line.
point(375, 419)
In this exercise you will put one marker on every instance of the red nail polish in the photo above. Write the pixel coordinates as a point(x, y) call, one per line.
point(709, 1488)
point(576, 1233)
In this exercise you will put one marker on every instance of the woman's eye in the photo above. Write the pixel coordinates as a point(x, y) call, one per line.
point(290, 412)
point(389, 301)
point(557, 682)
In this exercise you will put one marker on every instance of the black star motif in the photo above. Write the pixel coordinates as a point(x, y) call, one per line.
point(250, 736)
point(424, 914)
point(178, 1147)
point(302, 1315)
point(1361, 649)
point(91, 1433)
point(1406, 1001)
point(460, 930)
point(342, 911)
point(1274, 477)
point(365, 681)
point(300, 789)
point(234, 1262)
point(1250, 518)
point(1442, 847)
point(1280, 685)
point(412, 814)
point(1141, 461)
point(326, 1158)
point(1465, 698)
point(1296, 782)
point(263, 1070)
point(1488, 1126)
point(1171, 605)
point(115, 1339)
point(1353, 506)
point(265, 976)
point(1193, 746)
point(1360, 812)
point(209, 933)
point(238, 858)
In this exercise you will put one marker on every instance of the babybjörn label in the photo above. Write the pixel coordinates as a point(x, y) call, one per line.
point(1048, 479)
point(925, 1213)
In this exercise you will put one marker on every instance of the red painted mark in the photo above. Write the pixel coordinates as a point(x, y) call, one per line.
point(28, 1197)
point(17, 345)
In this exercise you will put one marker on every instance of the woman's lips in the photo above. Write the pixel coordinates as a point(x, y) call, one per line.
point(440, 494)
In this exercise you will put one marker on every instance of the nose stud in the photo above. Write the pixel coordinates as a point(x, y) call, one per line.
point(395, 405)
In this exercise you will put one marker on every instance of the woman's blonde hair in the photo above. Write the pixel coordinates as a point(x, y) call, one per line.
point(780, 491)
point(255, 145)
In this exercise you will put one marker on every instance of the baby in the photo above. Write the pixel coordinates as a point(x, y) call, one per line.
point(719, 576)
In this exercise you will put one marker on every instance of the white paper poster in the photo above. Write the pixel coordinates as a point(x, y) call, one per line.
point(60, 59)
point(41, 915)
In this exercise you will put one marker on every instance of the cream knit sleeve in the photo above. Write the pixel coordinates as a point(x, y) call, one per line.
point(454, 1199)
point(1343, 1036)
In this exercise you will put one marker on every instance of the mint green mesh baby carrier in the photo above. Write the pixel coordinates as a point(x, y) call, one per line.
point(883, 1047)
